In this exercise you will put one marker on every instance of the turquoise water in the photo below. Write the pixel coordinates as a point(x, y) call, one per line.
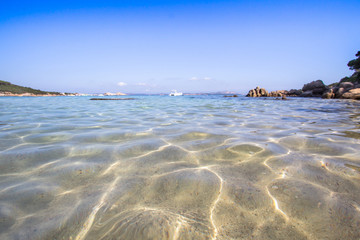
point(159, 167)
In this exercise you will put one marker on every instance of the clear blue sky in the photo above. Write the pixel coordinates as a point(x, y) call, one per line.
point(192, 46)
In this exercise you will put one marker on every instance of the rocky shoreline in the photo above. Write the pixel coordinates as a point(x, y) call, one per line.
point(341, 90)
point(346, 88)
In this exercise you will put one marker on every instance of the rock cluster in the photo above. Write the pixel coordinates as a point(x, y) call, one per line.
point(314, 89)
point(348, 87)
point(278, 93)
point(345, 89)
point(258, 92)
point(290, 93)
point(294, 92)
point(262, 92)
point(352, 94)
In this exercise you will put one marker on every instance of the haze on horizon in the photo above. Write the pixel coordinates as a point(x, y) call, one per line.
point(192, 46)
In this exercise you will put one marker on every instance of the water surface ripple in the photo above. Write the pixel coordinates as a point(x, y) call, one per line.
point(159, 167)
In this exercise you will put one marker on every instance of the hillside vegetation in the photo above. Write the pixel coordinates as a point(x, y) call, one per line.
point(7, 87)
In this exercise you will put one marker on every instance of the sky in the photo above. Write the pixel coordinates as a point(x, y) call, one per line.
point(156, 46)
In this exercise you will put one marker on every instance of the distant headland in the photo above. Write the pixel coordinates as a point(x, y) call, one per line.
point(9, 89)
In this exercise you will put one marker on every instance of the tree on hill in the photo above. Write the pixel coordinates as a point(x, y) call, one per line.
point(355, 63)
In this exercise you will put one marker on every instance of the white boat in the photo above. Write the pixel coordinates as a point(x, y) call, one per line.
point(175, 93)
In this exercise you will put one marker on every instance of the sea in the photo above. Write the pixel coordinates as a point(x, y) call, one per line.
point(187, 167)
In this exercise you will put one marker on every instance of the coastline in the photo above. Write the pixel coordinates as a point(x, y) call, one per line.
point(346, 88)
point(33, 95)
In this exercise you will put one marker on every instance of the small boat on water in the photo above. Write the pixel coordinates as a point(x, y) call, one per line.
point(175, 93)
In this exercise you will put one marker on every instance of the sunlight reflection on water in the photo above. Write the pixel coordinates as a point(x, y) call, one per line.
point(159, 167)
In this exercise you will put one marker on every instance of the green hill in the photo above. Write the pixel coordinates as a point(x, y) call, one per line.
point(15, 89)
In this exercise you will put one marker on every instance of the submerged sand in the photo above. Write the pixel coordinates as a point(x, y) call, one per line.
point(190, 168)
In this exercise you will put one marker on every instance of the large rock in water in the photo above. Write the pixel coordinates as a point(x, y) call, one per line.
point(314, 89)
point(258, 92)
point(294, 92)
point(329, 94)
point(278, 93)
point(352, 94)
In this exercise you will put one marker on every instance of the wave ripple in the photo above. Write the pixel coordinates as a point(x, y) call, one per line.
point(158, 167)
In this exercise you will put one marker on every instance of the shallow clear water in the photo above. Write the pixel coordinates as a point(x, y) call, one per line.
point(159, 167)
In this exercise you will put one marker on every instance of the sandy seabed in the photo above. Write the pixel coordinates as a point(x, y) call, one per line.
point(179, 168)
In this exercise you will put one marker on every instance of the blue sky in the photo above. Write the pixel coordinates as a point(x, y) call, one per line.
point(192, 46)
